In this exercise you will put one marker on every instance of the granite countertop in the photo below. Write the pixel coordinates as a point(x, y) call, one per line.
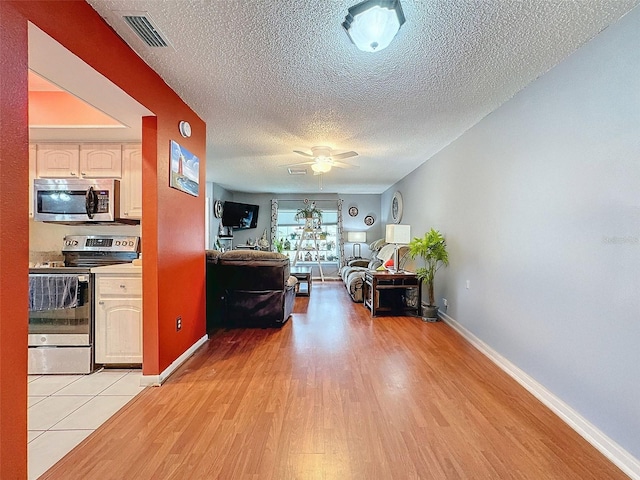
point(126, 268)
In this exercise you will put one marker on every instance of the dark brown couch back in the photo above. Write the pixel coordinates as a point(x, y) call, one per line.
point(245, 283)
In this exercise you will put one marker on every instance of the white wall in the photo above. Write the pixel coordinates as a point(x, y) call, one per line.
point(540, 205)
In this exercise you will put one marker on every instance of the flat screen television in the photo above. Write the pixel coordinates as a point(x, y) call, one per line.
point(239, 215)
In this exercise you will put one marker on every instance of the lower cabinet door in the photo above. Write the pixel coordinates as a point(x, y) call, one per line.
point(118, 336)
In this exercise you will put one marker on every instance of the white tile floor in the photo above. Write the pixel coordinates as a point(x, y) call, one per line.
point(65, 409)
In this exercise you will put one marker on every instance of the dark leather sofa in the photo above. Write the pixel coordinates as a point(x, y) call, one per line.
point(248, 288)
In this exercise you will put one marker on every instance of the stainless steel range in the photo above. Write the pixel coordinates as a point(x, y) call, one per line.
point(61, 311)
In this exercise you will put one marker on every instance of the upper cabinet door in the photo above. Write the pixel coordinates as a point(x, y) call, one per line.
point(57, 161)
point(131, 183)
point(101, 161)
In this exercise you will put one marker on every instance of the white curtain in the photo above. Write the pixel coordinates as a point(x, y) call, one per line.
point(340, 235)
point(274, 222)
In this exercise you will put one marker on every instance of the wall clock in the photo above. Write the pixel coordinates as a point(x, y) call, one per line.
point(217, 209)
point(185, 128)
point(353, 211)
point(396, 207)
point(368, 220)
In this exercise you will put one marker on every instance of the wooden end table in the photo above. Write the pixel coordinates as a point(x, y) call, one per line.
point(303, 274)
point(392, 293)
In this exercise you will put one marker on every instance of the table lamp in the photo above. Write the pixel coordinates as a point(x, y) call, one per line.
point(356, 238)
point(397, 234)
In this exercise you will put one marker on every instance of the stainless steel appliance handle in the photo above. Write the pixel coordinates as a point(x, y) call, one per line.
point(91, 202)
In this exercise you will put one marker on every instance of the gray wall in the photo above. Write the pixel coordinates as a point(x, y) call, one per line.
point(215, 192)
point(366, 205)
point(540, 204)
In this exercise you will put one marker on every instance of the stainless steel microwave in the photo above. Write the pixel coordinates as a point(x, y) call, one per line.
point(76, 200)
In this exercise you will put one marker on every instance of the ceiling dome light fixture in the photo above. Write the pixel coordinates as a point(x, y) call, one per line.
point(372, 24)
point(321, 167)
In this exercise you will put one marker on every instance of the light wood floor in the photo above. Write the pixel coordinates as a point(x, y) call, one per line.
point(337, 395)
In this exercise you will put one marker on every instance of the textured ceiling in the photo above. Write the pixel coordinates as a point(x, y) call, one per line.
point(272, 77)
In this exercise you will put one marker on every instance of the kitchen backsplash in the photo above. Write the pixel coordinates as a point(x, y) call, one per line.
point(45, 239)
point(39, 258)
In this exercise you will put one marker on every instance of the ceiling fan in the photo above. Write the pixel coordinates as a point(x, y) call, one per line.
point(323, 159)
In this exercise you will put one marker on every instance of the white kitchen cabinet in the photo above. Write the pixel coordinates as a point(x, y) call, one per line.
point(118, 318)
point(32, 175)
point(101, 160)
point(131, 183)
point(58, 161)
point(79, 161)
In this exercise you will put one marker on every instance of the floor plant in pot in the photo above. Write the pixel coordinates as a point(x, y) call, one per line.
point(432, 248)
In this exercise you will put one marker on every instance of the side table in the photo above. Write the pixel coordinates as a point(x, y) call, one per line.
point(303, 274)
point(392, 293)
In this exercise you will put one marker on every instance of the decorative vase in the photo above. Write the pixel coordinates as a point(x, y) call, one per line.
point(263, 243)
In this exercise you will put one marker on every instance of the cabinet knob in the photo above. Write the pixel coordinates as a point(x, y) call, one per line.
point(100, 302)
point(123, 286)
point(83, 174)
point(73, 174)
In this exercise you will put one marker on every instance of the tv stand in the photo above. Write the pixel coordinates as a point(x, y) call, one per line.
point(392, 293)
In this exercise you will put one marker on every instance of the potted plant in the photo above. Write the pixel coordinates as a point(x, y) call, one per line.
point(310, 211)
point(278, 245)
point(433, 250)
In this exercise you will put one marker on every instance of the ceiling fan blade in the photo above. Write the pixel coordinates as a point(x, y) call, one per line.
point(298, 164)
point(343, 165)
point(304, 154)
point(344, 155)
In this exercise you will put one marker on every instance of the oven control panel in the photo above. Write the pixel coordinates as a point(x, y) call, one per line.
point(100, 243)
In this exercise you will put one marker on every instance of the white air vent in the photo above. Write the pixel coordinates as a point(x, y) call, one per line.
point(145, 29)
point(297, 171)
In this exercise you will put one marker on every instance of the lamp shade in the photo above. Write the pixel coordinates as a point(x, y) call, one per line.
point(372, 24)
point(356, 237)
point(398, 234)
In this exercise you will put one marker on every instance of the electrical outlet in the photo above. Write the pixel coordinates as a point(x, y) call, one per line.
point(445, 302)
point(178, 324)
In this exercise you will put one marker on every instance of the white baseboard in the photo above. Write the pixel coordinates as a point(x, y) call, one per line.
point(157, 380)
point(610, 449)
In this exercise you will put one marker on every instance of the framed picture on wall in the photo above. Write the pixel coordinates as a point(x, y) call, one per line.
point(396, 207)
point(185, 170)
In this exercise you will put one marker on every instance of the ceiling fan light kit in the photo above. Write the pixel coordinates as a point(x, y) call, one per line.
point(321, 167)
point(323, 159)
point(373, 24)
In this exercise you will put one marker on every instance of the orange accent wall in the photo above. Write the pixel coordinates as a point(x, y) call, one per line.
point(173, 221)
point(62, 108)
point(14, 239)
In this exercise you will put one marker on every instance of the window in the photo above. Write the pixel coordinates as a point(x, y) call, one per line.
point(302, 244)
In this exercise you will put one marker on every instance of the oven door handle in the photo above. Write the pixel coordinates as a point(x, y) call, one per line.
point(91, 202)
